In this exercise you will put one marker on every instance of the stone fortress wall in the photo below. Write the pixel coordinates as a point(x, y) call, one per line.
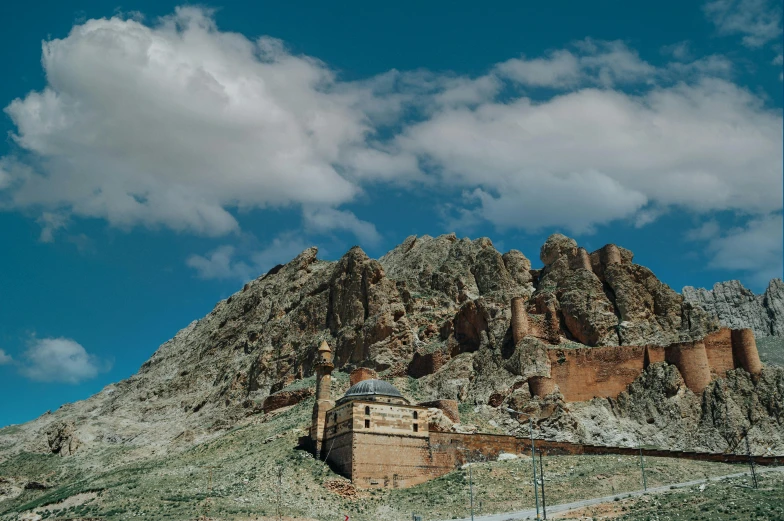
point(589, 372)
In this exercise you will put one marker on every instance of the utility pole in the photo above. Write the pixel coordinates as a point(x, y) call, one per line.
point(471, 489)
point(280, 485)
point(541, 476)
point(751, 460)
point(642, 466)
point(533, 456)
point(209, 491)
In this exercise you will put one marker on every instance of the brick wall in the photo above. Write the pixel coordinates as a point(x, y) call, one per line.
point(385, 461)
point(585, 373)
point(744, 350)
point(361, 373)
point(691, 359)
point(718, 348)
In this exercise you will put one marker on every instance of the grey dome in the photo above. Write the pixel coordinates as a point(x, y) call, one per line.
point(372, 387)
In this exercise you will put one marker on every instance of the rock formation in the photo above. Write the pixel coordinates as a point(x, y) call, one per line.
point(737, 307)
point(436, 309)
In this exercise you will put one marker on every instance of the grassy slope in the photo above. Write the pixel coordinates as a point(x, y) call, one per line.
point(244, 481)
point(724, 500)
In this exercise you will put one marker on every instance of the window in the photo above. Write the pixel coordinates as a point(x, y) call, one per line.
point(367, 410)
point(416, 415)
point(367, 424)
point(416, 428)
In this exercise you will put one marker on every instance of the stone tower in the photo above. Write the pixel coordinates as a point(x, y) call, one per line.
point(324, 367)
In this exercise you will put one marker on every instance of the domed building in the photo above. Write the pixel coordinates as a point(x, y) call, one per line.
point(372, 434)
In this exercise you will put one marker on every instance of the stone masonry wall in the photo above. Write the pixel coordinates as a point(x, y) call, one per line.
point(718, 347)
point(584, 373)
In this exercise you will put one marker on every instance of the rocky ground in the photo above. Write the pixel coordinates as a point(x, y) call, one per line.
point(434, 316)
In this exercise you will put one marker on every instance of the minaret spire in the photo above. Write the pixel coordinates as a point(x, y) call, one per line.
point(324, 367)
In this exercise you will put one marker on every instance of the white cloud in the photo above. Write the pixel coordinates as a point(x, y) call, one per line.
point(755, 248)
point(219, 264)
point(593, 156)
point(322, 220)
point(51, 222)
point(706, 231)
point(226, 262)
point(180, 124)
point(176, 124)
point(759, 21)
point(680, 51)
point(59, 360)
point(595, 62)
point(5, 358)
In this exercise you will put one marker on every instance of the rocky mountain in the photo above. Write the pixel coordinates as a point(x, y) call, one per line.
point(433, 315)
point(737, 307)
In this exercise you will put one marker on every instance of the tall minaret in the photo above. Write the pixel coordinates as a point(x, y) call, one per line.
point(324, 367)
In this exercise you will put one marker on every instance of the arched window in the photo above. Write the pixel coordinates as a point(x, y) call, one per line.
point(367, 410)
point(416, 416)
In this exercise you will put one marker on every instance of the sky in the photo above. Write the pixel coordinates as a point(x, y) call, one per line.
point(159, 155)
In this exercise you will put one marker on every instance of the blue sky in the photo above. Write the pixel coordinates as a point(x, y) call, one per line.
point(158, 154)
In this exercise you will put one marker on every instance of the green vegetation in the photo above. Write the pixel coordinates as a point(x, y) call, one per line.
point(243, 463)
point(722, 500)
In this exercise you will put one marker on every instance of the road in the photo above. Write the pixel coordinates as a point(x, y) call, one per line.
point(552, 509)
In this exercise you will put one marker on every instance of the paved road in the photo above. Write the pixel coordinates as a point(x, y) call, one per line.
point(552, 509)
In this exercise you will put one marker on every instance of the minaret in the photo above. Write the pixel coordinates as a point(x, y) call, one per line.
point(324, 367)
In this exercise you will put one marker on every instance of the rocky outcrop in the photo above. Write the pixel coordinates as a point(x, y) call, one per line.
point(61, 438)
point(438, 309)
point(615, 302)
point(283, 399)
point(737, 307)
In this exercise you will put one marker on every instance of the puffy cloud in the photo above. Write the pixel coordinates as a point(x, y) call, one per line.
point(759, 21)
point(598, 62)
point(59, 360)
point(180, 125)
point(176, 124)
point(228, 262)
point(593, 156)
point(5, 358)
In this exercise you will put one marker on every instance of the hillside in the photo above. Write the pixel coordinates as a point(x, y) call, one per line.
point(433, 315)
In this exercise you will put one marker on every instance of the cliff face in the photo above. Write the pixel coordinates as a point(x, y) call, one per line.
point(435, 309)
point(737, 307)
